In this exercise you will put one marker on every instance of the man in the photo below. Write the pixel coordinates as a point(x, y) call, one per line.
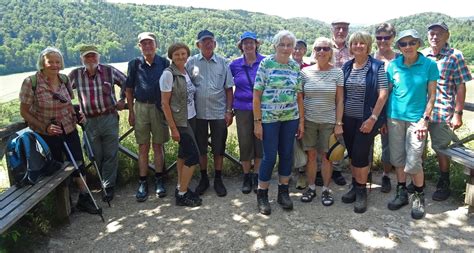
point(95, 89)
point(340, 30)
point(449, 102)
point(214, 82)
point(145, 114)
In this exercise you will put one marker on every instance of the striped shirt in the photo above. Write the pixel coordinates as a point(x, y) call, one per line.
point(319, 89)
point(355, 86)
point(96, 93)
point(453, 72)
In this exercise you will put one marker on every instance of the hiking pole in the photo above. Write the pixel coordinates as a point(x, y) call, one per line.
point(90, 153)
point(76, 167)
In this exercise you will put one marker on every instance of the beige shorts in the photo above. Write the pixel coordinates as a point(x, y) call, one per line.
point(148, 119)
point(316, 135)
point(441, 135)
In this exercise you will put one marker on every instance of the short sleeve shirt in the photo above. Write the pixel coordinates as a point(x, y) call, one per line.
point(244, 79)
point(166, 85)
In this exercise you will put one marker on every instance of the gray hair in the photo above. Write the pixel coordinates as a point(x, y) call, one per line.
point(283, 34)
point(45, 52)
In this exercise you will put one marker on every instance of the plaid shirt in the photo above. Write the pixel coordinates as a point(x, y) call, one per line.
point(453, 72)
point(96, 93)
point(341, 55)
point(45, 107)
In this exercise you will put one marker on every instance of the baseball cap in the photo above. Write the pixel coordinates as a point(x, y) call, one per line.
point(146, 36)
point(336, 149)
point(248, 35)
point(439, 24)
point(204, 34)
point(86, 49)
point(301, 42)
point(409, 33)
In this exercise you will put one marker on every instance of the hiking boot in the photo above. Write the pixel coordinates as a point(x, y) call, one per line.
point(85, 204)
point(386, 185)
point(308, 195)
point(442, 190)
point(411, 188)
point(110, 194)
point(262, 202)
point(401, 198)
point(219, 187)
point(360, 205)
point(326, 197)
point(418, 205)
point(338, 178)
point(284, 197)
point(301, 183)
point(255, 182)
point(319, 179)
point(160, 189)
point(202, 186)
point(247, 184)
point(142, 192)
point(350, 196)
point(188, 199)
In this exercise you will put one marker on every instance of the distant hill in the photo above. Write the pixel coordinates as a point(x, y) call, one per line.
point(27, 27)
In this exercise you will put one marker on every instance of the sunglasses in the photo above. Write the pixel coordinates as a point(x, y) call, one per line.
point(325, 49)
point(383, 37)
point(59, 97)
point(405, 44)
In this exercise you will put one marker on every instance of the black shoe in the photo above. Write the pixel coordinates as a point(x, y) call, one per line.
point(338, 178)
point(219, 187)
point(188, 199)
point(160, 189)
point(360, 205)
point(418, 205)
point(85, 204)
point(202, 186)
point(400, 200)
point(262, 202)
point(247, 184)
point(142, 192)
point(308, 195)
point(386, 185)
point(284, 197)
point(110, 194)
point(319, 179)
point(176, 191)
point(255, 182)
point(326, 198)
point(350, 196)
point(442, 190)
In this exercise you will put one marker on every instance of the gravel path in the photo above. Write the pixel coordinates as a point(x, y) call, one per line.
point(232, 223)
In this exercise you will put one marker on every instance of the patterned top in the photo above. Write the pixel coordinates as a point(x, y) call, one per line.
point(319, 89)
point(279, 84)
point(211, 78)
point(166, 85)
point(341, 55)
point(96, 93)
point(453, 72)
point(45, 104)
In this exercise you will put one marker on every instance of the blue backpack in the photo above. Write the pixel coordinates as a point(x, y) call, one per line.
point(29, 157)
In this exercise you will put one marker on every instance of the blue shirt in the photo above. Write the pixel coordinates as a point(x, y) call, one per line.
point(243, 94)
point(409, 95)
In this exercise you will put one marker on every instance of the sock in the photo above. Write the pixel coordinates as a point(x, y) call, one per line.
point(203, 174)
point(143, 178)
point(312, 187)
point(360, 185)
point(419, 189)
point(445, 175)
point(177, 186)
point(158, 174)
point(218, 173)
point(403, 184)
point(181, 193)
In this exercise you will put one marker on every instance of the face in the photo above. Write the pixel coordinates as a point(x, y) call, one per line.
point(249, 46)
point(384, 40)
point(147, 47)
point(52, 63)
point(299, 52)
point(285, 48)
point(323, 52)
point(409, 46)
point(207, 46)
point(359, 48)
point(179, 57)
point(339, 32)
point(90, 60)
point(438, 37)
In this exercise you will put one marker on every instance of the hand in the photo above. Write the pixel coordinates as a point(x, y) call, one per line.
point(53, 129)
point(258, 130)
point(82, 118)
point(367, 126)
point(421, 129)
point(338, 131)
point(228, 118)
point(300, 132)
point(175, 134)
point(456, 121)
point(384, 129)
point(131, 118)
point(120, 105)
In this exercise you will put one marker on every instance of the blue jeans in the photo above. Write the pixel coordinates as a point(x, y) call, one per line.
point(277, 136)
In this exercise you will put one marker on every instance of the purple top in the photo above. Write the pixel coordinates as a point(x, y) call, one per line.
point(243, 94)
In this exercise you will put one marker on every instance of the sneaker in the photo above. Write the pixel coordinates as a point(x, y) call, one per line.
point(326, 198)
point(160, 189)
point(255, 182)
point(319, 179)
point(386, 185)
point(142, 192)
point(308, 195)
point(418, 205)
point(219, 187)
point(301, 183)
point(400, 200)
point(338, 178)
point(188, 199)
point(202, 186)
point(247, 184)
point(85, 204)
point(110, 194)
point(442, 190)
point(411, 188)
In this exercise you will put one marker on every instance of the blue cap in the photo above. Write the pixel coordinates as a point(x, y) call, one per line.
point(248, 35)
point(205, 34)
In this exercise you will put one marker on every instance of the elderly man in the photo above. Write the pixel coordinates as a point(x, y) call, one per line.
point(145, 114)
point(449, 102)
point(340, 30)
point(214, 82)
point(95, 89)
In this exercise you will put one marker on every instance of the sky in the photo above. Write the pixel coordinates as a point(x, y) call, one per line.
point(362, 12)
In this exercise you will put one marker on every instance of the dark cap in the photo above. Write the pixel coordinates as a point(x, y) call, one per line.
point(204, 34)
point(301, 42)
point(439, 24)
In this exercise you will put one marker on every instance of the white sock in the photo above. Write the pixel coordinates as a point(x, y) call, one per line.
point(325, 188)
point(181, 193)
point(312, 187)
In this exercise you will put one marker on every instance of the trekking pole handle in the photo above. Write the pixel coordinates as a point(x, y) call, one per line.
point(78, 115)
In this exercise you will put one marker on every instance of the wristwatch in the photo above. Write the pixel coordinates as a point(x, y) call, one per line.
point(426, 117)
point(374, 117)
point(458, 112)
point(339, 123)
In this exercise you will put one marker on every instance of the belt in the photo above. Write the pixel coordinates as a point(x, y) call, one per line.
point(147, 101)
point(107, 112)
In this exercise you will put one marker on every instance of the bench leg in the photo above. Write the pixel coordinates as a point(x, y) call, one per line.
point(469, 199)
point(63, 203)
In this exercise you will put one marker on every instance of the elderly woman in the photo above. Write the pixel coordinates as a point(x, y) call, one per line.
point(365, 93)
point(300, 51)
point(244, 70)
point(177, 99)
point(323, 88)
point(45, 104)
point(412, 79)
point(277, 106)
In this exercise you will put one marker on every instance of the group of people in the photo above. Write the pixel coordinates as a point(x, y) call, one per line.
point(343, 90)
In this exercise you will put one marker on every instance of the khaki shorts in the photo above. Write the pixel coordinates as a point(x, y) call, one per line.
point(441, 135)
point(405, 148)
point(148, 119)
point(316, 135)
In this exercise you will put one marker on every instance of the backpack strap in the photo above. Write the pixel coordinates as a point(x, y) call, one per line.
point(34, 82)
point(62, 77)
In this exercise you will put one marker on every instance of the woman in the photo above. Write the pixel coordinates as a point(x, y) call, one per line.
point(46, 106)
point(365, 93)
point(277, 106)
point(413, 79)
point(177, 99)
point(323, 88)
point(300, 51)
point(244, 70)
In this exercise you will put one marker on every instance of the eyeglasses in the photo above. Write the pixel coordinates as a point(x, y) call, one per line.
point(343, 28)
point(325, 49)
point(405, 44)
point(59, 97)
point(283, 45)
point(383, 37)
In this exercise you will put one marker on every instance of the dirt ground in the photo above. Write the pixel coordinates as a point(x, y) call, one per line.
point(233, 223)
